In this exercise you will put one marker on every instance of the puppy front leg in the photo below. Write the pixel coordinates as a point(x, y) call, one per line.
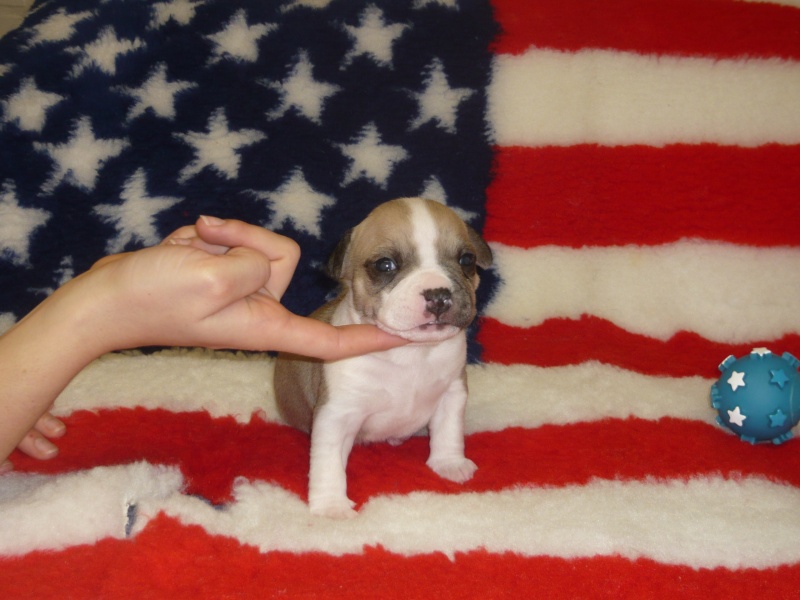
point(332, 438)
point(447, 436)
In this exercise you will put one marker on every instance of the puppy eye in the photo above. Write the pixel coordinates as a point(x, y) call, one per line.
point(385, 265)
point(467, 260)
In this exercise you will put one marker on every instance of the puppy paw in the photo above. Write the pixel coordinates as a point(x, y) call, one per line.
point(454, 469)
point(338, 508)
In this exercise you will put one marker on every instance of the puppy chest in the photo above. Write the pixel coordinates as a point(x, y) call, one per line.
point(400, 413)
point(393, 404)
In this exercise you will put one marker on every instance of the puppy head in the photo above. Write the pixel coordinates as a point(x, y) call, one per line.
point(411, 268)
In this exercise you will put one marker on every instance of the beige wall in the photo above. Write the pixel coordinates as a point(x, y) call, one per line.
point(12, 13)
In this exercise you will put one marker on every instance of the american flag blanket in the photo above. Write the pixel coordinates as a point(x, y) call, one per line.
point(635, 166)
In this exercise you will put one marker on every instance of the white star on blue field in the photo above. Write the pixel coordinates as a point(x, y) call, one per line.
point(122, 122)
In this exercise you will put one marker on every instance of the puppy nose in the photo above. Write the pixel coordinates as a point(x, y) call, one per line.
point(438, 301)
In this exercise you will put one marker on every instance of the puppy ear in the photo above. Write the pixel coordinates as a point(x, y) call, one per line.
point(482, 251)
point(335, 264)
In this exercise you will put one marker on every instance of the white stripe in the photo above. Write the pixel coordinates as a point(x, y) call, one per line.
point(39, 512)
point(546, 97)
point(501, 396)
point(723, 292)
point(704, 523)
point(525, 396)
point(795, 3)
point(179, 380)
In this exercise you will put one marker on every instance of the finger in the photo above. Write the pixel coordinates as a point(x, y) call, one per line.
point(354, 340)
point(283, 252)
point(196, 242)
point(187, 236)
point(309, 337)
point(237, 275)
point(231, 232)
point(282, 271)
point(50, 427)
point(34, 444)
point(108, 259)
point(187, 231)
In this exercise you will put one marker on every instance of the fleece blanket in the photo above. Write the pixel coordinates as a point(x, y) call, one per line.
point(635, 166)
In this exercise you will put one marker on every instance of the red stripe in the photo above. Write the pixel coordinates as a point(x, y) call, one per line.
point(600, 196)
point(559, 342)
point(547, 456)
point(679, 27)
point(198, 565)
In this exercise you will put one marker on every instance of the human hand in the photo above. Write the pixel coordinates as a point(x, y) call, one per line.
point(218, 284)
point(36, 442)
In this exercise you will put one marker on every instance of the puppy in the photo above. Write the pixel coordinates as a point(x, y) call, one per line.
point(411, 269)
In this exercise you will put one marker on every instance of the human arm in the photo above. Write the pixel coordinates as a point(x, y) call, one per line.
point(215, 284)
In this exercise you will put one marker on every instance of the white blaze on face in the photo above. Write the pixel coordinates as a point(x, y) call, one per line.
point(425, 234)
point(403, 306)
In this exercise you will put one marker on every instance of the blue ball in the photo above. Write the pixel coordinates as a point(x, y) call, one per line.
point(757, 396)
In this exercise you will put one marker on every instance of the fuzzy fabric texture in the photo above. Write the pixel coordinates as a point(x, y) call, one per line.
point(634, 166)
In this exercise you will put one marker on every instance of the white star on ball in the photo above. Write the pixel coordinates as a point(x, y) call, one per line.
point(736, 417)
point(371, 158)
point(736, 380)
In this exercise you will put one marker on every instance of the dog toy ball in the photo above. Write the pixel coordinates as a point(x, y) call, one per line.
point(757, 396)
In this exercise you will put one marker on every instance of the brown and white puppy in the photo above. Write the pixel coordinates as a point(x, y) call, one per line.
point(410, 269)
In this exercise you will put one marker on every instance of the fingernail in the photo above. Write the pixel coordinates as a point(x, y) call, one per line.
point(6, 467)
point(179, 241)
point(212, 221)
point(46, 448)
point(55, 428)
